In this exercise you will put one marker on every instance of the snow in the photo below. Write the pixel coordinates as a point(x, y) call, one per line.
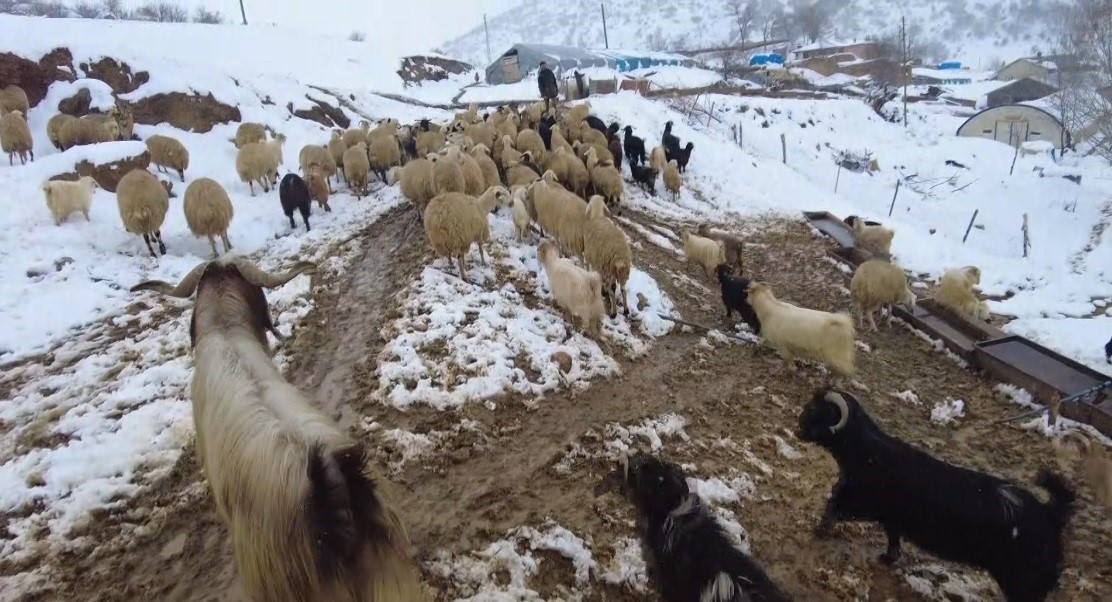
point(627, 566)
point(948, 411)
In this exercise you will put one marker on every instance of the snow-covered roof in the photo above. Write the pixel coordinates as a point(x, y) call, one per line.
point(829, 44)
point(975, 90)
point(941, 74)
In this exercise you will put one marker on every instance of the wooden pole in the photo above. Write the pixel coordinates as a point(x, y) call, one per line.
point(970, 226)
point(1014, 157)
point(1026, 236)
point(605, 36)
point(904, 71)
point(740, 135)
point(710, 114)
point(242, 12)
point(839, 177)
point(894, 194)
point(784, 148)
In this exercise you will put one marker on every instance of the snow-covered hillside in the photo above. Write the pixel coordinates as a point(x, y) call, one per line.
point(978, 32)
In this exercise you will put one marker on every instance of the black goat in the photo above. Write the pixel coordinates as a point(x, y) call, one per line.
point(645, 176)
point(1108, 351)
point(527, 161)
point(954, 513)
point(423, 125)
point(612, 131)
point(294, 195)
point(634, 148)
point(735, 296)
point(596, 123)
point(681, 155)
point(688, 553)
point(615, 146)
point(544, 129)
point(669, 141)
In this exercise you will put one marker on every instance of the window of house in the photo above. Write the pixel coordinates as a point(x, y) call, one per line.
point(986, 131)
point(1036, 133)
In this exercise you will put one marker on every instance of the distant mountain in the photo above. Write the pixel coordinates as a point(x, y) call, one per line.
point(979, 32)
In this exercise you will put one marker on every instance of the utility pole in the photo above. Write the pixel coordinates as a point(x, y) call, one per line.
point(487, 28)
point(242, 12)
point(905, 68)
point(605, 37)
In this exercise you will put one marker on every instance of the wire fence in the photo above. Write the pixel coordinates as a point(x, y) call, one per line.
point(165, 11)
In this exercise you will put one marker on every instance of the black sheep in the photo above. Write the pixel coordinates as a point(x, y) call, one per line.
point(689, 555)
point(669, 141)
point(1108, 351)
point(596, 123)
point(634, 148)
point(612, 130)
point(681, 155)
point(423, 125)
point(295, 196)
point(527, 161)
point(544, 129)
point(645, 176)
point(615, 146)
point(409, 147)
point(735, 296)
point(955, 513)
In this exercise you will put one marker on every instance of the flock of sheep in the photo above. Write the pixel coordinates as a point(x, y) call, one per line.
point(306, 518)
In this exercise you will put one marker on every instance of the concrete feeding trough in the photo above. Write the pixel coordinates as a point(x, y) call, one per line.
point(1043, 373)
point(830, 225)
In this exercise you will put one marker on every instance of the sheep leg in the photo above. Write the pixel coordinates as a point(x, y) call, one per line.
point(482, 256)
point(85, 212)
point(227, 243)
point(212, 243)
point(293, 224)
point(181, 174)
point(251, 184)
point(625, 298)
point(892, 554)
point(32, 151)
point(872, 323)
point(462, 267)
point(147, 240)
point(161, 245)
point(891, 312)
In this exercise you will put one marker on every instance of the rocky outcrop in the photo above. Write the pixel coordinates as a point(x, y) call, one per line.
point(107, 175)
point(116, 74)
point(36, 77)
point(420, 68)
point(322, 113)
point(191, 112)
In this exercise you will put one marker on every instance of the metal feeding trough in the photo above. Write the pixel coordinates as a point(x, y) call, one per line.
point(830, 225)
point(1043, 373)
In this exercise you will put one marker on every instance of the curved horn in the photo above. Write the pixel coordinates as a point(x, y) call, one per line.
point(1084, 441)
point(836, 398)
point(258, 277)
point(184, 288)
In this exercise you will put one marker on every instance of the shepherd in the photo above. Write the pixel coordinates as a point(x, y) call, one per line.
point(546, 81)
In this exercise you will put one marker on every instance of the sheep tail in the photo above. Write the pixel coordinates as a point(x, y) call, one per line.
point(1062, 496)
point(356, 533)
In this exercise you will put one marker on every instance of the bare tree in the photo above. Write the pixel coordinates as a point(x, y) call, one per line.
point(114, 9)
point(745, 14)
point(812, 17)
point(357, 36)
point(1084, 71)
point(162, 12)
point(775, 22)
point(42, 8)
point(211, 17)
point(87, 10)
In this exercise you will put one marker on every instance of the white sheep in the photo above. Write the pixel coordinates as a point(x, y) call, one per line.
point(384, 153)
point(417, 183)
point(143, 201)
point(306, 518)
point(481, 154)
point(321, 156)
point(878, 284)
point(955, 291)
point(800, 332)
point(15, 137)
point(167, 152)
point(658, 159)
point(874, 238)
point(90, 129)
point(606, 250)
point(705, 252)
point(357, 169)
point(64, 198)
point(336, 148)
point(249, 133)
point(672, 178)
point(429, 142)
point(273, 150)
point(448, 173)
point(519, 211)
point(13, 98)
point(253, 165)
point(474, 181)
point(607, 181)
point(54, 128)
point(455, 221)
point(576, 290)
point(560, 213)
point(208, 211)
point(358, 135)
point(530, 140)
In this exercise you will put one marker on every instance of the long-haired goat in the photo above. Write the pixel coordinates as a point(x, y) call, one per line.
point(689, 554)
point(735, 296)
point(954, 513)
point(801, 332)
point(306, 519)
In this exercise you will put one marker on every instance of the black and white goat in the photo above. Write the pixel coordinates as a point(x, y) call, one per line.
point(735, 296)
point(634, 147)
point(689, 555)
point(954, 513)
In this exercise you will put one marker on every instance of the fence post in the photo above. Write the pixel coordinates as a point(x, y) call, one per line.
point(894, 194)
point(1014, 157)
point(784, 148)
point(242, 12)
point(1026, 236)
point(970, 227)
point(838, 178)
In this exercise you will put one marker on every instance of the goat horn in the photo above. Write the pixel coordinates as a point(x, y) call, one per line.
point(183, 290)
point(1083, 439)
point(836, 398)
point(258, 277)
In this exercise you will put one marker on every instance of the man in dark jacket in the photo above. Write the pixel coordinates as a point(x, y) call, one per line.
point(546, 81)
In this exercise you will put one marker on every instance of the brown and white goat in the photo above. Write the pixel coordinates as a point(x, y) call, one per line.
point(305, 517)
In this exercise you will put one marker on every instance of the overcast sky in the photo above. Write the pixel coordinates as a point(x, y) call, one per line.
point(401, 25)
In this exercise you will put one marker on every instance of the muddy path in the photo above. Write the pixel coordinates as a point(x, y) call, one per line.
point(515, 464)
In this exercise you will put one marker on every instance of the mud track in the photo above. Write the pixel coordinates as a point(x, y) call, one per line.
point(169, 545)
